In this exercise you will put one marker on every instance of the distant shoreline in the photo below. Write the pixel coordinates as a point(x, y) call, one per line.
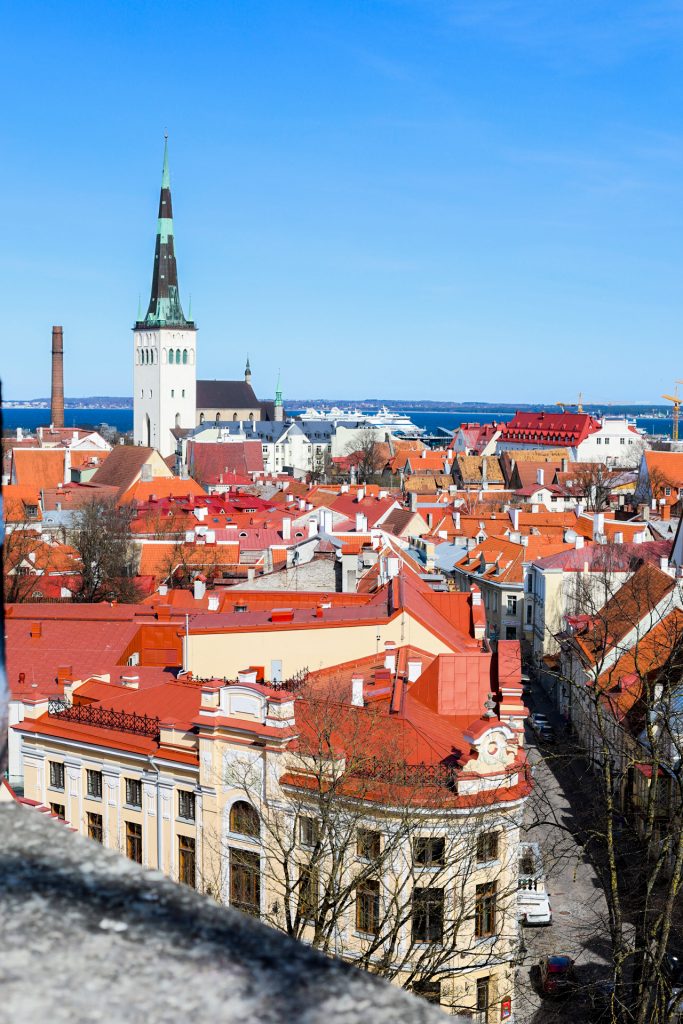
point(416, 405)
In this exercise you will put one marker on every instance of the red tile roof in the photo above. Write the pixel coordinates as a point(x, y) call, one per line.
point(38, 467)
point(217, 463)
point(549, 428)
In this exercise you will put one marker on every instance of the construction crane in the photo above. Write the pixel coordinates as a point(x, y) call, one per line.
point(568, 405)
point(676, 399)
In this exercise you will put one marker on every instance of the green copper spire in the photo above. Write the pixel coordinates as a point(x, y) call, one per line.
point(164, 308)
point(278, 390)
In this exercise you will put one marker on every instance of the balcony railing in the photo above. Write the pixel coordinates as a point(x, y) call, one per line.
point(441, 775)
point(104, 718)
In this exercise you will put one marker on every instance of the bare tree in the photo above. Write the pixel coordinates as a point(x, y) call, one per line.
point(593, 481)
point(102, 537)
point(366, 455)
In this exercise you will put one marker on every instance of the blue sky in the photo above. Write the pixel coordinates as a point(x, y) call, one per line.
point(476, 200)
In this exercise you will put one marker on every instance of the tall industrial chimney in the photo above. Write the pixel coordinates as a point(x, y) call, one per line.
point(57, 397)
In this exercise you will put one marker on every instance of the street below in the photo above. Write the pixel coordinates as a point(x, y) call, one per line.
point(580, 923)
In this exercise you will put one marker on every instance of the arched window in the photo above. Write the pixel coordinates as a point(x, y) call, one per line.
point(201, 418)
point(218, 417)
point(234, 417)
point(191, 356)
point(244, 819)
point(163, 355)
point(251, 417)
point(184, 356)
point(177, 356)
point(177, 419)
point(170, 355)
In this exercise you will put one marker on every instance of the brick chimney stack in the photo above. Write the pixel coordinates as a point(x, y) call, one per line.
point(57, 396)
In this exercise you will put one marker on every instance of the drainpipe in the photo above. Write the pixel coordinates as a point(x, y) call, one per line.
point(156, 769)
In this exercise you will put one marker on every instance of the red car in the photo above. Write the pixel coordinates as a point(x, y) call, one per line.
point(557, 975)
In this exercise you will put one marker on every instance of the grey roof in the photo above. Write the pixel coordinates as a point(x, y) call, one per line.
point(226, 394)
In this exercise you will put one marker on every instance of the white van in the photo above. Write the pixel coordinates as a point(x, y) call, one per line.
point(534, 907)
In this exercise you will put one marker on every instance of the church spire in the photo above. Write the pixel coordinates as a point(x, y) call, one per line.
point(247, 372)
point(164, 305)
point(279, 408)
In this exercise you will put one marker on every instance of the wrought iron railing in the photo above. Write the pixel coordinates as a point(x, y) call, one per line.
point(292, 684)
point(104, 718)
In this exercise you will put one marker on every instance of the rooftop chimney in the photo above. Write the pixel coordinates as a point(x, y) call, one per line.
point(357, 698)
point(57, 398)
point(539, 477)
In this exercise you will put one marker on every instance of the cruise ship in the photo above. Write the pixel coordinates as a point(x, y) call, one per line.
point(392, 422)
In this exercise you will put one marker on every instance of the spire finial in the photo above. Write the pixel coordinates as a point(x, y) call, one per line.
point(165, 174)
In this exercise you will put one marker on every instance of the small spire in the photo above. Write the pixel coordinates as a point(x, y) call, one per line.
point(139, 308)
point(247, 372)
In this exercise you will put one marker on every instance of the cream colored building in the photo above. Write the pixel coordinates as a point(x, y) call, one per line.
point(215, 806)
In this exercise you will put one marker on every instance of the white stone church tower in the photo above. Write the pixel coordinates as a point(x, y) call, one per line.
point(165, 347)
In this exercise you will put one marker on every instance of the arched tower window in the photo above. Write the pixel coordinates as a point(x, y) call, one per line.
point(234, 417)
point(177, 355)
point(244, 819)
point(201, 418)
point(251, 417)
point(184, 356)
point(218, 417)
point(163, 355)
point(170, 355)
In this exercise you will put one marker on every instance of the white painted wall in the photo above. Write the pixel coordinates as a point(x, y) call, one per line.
point(163, 391)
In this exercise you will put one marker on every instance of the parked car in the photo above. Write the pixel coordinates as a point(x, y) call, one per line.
point(533, 908)
point(546, 734)
point(557, 976)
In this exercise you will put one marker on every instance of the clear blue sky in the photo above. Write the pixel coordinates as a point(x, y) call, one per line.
point(476, 200)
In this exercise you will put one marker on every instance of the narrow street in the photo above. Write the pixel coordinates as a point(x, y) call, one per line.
point(579, 927)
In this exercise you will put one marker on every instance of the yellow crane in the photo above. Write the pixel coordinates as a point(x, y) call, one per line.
point(568, 405)
point(676, 399)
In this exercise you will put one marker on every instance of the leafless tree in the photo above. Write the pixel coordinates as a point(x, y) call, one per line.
point(366, 454)
point(593, 482)
point(102, 537)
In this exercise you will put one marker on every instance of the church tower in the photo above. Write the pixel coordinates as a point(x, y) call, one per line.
point(165, 345)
